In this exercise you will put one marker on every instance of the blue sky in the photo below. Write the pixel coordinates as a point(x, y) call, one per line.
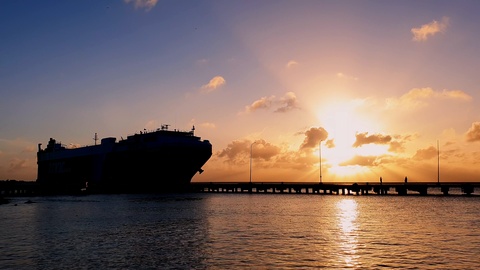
point(379, 82)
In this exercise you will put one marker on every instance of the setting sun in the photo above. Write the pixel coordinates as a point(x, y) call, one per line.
point(343, 120)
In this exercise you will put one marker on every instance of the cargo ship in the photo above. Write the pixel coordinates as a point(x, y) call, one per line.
point(162, 160)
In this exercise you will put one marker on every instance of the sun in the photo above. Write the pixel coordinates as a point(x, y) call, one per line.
point(343, 120)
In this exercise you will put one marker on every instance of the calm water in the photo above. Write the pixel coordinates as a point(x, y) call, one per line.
point(240, 231)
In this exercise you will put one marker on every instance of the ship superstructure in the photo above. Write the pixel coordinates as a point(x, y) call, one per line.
point(152, 161)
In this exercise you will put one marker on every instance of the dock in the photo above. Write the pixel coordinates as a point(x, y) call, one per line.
point(365, 188)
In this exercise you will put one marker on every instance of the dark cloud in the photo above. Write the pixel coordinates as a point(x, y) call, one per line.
point(364, 138)
point(473, 134)
point(313, 136)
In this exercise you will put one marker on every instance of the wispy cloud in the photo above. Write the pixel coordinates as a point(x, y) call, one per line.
point(145, 4)
point(473, 133)
point(208, 125)
point(419, 97)
point(423, 32)
point(359, 160)
point(202, 62)
point(341, 75)
point(292, 63)
point(213, 84)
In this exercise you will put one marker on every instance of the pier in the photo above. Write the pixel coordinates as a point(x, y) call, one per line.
point(365, 188)
point(11, 188)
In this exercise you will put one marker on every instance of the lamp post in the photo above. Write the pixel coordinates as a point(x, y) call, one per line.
point(320, 159)
point(251, 149)
point(438, 164)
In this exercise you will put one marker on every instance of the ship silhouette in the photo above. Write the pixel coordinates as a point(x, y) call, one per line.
point(162, 160)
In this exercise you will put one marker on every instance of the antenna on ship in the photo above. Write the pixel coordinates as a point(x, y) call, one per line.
point(95, 138)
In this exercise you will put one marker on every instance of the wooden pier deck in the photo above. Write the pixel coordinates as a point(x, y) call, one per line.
point(365, 188)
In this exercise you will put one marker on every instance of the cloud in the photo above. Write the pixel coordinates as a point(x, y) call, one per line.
point(238, 152)
point(17, 164)
point(360, 161)
point(396, 142)
point(264, 150)
point(397, 146)
point(262, 103)
point(213, 84)
point(368, 161)
point(208, 125)
point(427, 153)
point(473, 133)
point(151, 125)
point(340, 75)
point(430, 29)
point(288, 102)
point(29, 149)
point(313, 136)
point(73, 145)
point(292, 63)
point(418, 97)
point(146, 4)
point(330, 143)
point(202, 61)
point(285, 104)
point(363, 138)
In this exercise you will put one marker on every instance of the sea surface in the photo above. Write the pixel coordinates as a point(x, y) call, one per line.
point(240, 231)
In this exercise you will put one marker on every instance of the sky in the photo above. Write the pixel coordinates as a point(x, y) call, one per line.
point(370, 88)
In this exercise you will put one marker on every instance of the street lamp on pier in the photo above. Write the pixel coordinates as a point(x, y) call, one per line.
point(320, 159)
point(251, 149)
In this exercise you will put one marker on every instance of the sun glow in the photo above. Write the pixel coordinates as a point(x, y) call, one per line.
point(343, 120)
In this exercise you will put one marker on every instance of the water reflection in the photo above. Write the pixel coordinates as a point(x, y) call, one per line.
point(346, 213)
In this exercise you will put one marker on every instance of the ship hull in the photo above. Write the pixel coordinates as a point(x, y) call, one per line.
point(153, 162)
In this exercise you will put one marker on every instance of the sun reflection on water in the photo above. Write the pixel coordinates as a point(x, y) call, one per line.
point(347, 224)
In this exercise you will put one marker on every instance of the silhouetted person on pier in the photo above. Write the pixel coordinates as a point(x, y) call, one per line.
point(406, 180)
point(381, 180)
